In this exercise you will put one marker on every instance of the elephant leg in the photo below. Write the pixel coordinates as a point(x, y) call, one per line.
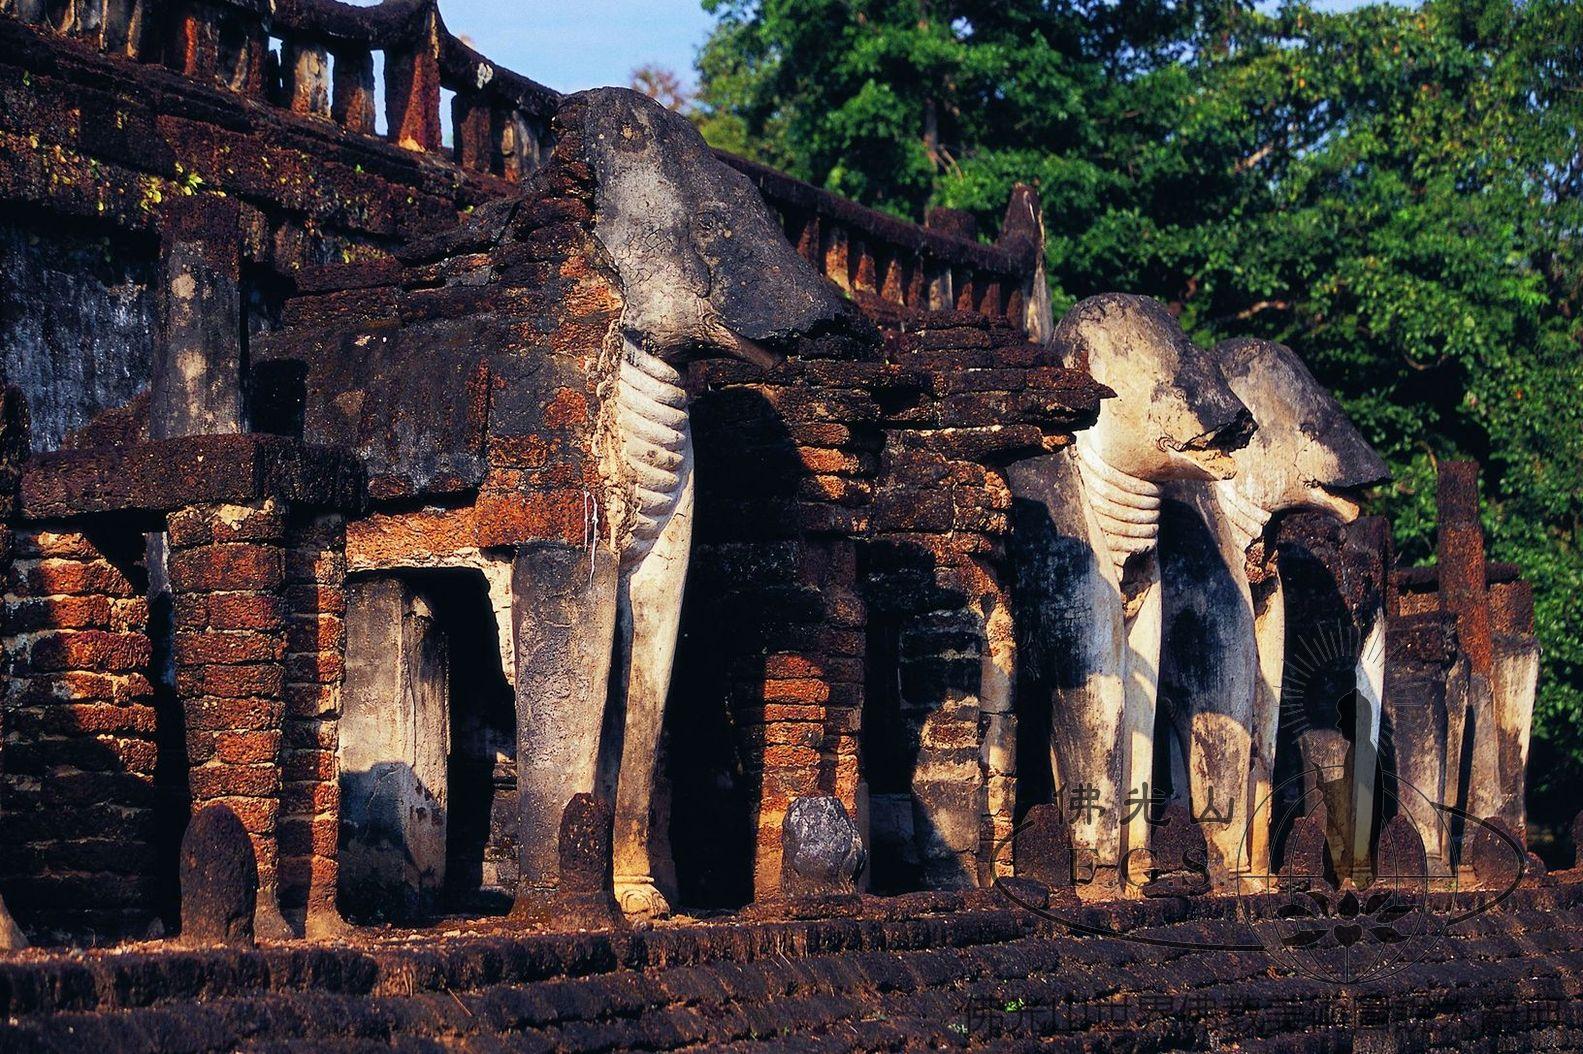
point(563, 612)
point(1218, 760)
point(1141, 695)
point(651, 608)
point(1269, 633)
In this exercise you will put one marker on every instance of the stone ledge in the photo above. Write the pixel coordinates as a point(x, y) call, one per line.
point(166, 474)
point(412, 962)
point(961, 979)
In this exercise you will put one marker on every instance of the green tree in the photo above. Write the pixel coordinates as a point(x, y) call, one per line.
point(1393, 191)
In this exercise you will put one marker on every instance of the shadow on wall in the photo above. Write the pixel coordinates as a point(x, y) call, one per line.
point(90, 816)
point(428, 802)
point(922, 729)
point(1050, 632)
point(743, 603)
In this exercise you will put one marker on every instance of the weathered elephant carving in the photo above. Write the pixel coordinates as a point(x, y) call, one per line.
point(1087, 580)
point(1220, 676)
point(704, 271)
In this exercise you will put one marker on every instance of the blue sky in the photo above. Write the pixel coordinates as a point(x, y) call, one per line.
point(575, 44)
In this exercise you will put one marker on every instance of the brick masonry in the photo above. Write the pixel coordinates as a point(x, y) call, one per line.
point(78, 789)
point(315, 595)
point(848, 592)
point(227, 573)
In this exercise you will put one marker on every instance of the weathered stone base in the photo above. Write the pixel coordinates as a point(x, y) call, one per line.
point(959, 970)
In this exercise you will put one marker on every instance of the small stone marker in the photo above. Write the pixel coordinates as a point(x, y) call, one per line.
point(821, 850)
point(586, 896)
point(1042, 850)
point(12, 938)
point(1180, 855)
point(219, 880)
point(1400, 861)
point(1496, 864)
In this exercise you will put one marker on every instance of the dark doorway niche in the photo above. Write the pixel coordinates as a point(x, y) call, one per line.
point(481, 837)
point(888, 757)
point(428, 750)
point(713, 797)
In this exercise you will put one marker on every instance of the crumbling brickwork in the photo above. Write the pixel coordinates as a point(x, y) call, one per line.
point(227, 576)
point(315, 610)
point(80, 754)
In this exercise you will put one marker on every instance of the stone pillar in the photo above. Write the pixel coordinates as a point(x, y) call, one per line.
point(1515, 675)
point(315, 646)
point(1459, 551)
point(197, 385)
point(394, 752)
point(227, 571)
point(941, 667)
point(1425, 707)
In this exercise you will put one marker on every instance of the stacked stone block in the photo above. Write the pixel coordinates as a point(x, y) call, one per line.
point(78, 794)
point(984, 398)
point(315, 601)
point(227, 572)
point(852, 520)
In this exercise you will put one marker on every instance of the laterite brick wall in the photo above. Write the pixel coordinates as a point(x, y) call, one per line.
point(83, 829)
point(846, 629)
point(315, 667)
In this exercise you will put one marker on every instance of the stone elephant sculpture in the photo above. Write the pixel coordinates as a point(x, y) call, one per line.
point(704, 270)
point(1087, 586)
point(1225, 634)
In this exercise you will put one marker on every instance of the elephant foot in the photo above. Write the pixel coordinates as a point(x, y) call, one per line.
point(639, 899)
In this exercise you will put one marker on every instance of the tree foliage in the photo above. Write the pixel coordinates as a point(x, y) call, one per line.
point(1396, 192)
point(661, 84)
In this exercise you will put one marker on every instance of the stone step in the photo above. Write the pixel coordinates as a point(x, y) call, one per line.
point(984, 980)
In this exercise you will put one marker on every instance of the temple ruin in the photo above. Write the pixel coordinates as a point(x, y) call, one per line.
point(634, 560)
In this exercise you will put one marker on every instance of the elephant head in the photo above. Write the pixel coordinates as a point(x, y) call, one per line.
point(705, 270)
point(1305, 453)
point(1174, 417)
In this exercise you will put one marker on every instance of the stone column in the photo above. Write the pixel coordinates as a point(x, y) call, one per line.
point(315, 667)
point(1515, 672)
point(197, 383)
point(227, 571)
point(1459, 551)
